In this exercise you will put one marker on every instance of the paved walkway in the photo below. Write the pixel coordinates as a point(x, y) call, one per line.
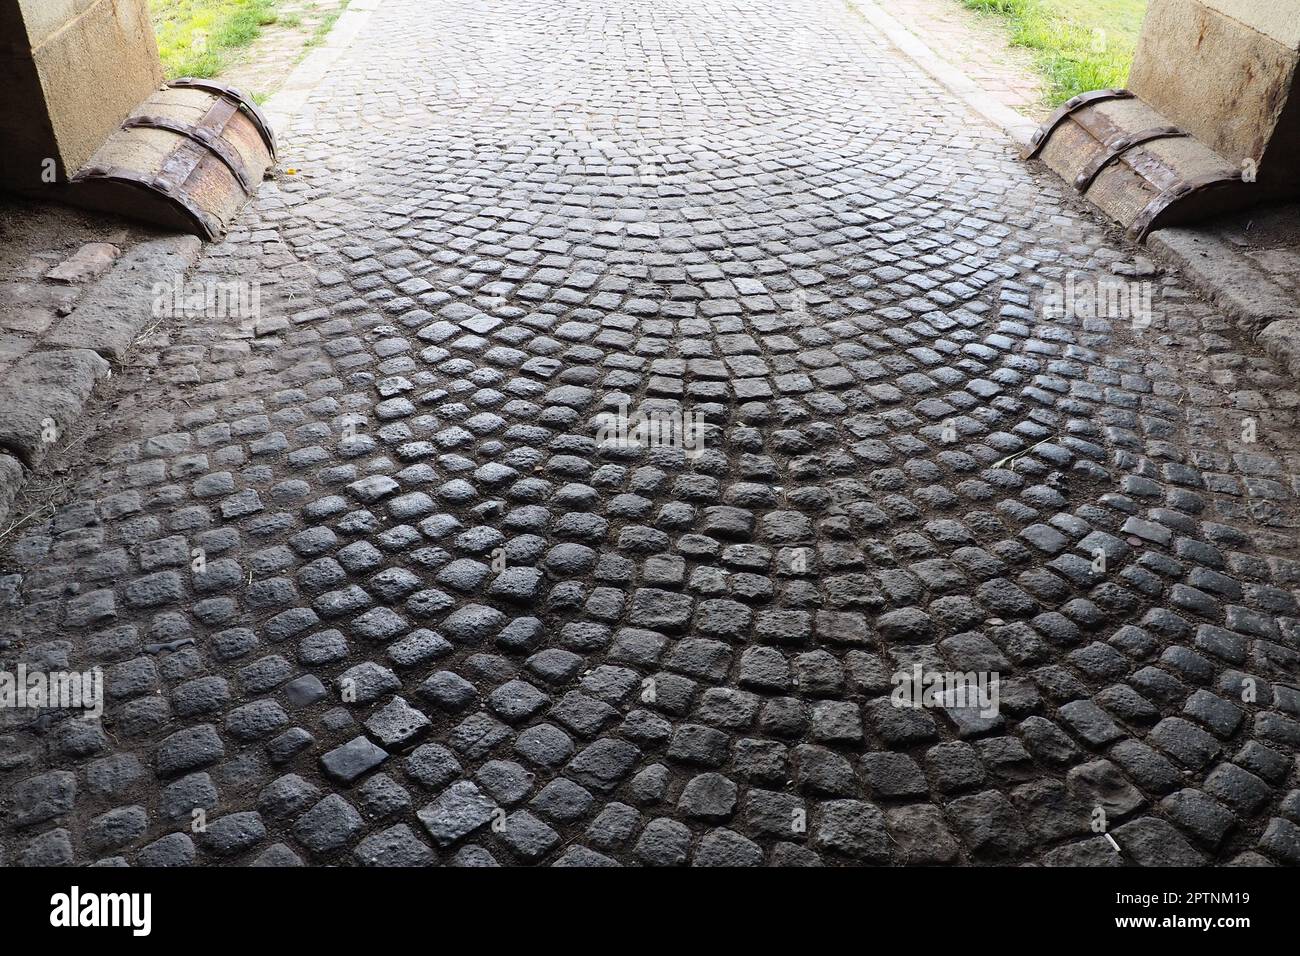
point(436, 622)
point(979, 45)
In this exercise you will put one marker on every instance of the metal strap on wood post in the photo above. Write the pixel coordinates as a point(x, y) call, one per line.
point(1044, 132)
point(203, 136)
point(1147, 217)
point(179, 166)
point(1115, 148)
point(245, 103)
point(206, 225)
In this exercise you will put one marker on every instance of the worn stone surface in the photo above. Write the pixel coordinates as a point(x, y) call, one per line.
point(907, 460)
point(90, 261)
point(112, 313)
point(44, 394)
point(1245, 63)
point(1252, 273)
point(11, 480)
point(101, 60)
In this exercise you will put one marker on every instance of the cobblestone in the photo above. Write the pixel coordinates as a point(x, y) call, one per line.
point(441, 621)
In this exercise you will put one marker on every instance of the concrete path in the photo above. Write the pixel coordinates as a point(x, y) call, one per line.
point(366, 588)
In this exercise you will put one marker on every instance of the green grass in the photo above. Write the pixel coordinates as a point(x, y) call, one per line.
point(326, 25)
point(1078, 45)
point(194, 35)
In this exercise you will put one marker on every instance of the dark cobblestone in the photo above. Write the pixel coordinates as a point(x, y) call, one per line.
point(439, 622)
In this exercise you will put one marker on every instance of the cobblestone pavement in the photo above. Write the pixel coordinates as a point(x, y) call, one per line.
point(436, 622)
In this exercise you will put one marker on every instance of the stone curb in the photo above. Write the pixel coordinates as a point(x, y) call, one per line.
point(45, 393)
point(42, 396)
point(113, 311)
point(1019, 128)
point(1259, 307)
point(11, 479)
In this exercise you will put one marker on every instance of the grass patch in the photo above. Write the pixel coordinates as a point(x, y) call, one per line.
point(1078, 45)
point(195, 35)
point(326, 25)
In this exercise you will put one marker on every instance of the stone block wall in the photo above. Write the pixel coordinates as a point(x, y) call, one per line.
point(1225, 70)
point(70, 72)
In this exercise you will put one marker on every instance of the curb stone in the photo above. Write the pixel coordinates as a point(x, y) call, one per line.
point(1259, 307)
point(114, 310)
point(1281, 340)
point(1017, 127)
point(11, 479)
point(44, 394)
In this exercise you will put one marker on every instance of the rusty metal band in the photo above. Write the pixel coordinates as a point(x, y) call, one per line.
point(181, 164)
point(1146, 219)
point(243, 102)
point(1114, 149)
point(217, 118)
point(203, 137)
point(1147, 164)
point(1044, 132)
point(157, 185)
point(1098, 125)
point(1158, 173)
